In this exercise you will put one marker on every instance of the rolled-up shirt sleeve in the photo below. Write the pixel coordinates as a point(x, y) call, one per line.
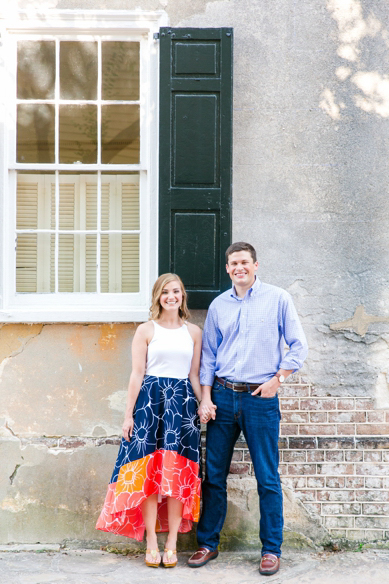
point(211, 341)
point(293, 334)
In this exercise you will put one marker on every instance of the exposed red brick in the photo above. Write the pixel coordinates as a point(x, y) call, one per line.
point(246, 456)
point(318, 404)
point(372, 456)
point(72, 442)
point(239, 468)
point(364, 404)
point(302, 443)
point(335, 469)
point(346, 429)
point(289, 430)
point(346, 404)
point(375, 509)
point(289, 404)
point(336, 495)
point(301, 469)
point(316, 482)
point(295, 417)
point(347, 417)
point(375, 483)
point(372, 469)
point(339, 522)
point(336, 442)
point(294, 456)
point(372, 522)
point(334, 455)
point(372, 442)
point(372, 495)
point(354, 482)
point(353, 455)
point(372, 429)
point(299, 482)
point(237, 455)
point(376, 417)
point(318, 417)
point(315, 455)
point(317, 430)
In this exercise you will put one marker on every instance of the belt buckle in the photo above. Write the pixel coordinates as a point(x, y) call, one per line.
point(238, 390)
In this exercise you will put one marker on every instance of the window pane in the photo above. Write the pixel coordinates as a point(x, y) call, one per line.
point(119, 263)
point(35, 263)
point(36, 69)
point(120, 201)
point(35, 200)
point(120, 134)
point(35, 133)
point(77, 263)
point(120, 79)
point(78, 134)
point(78, 70)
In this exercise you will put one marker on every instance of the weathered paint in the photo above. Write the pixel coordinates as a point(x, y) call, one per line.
point(310, 191)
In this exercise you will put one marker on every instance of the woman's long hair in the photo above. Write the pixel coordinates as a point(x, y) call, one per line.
point(156, 308)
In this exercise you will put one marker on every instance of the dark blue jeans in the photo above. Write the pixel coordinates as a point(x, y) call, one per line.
point(259, 420)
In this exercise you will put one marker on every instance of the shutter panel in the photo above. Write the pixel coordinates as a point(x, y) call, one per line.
point(90, 240)
point(195, 158)
point(27, 218)
point(67, 252)
point(129, 189)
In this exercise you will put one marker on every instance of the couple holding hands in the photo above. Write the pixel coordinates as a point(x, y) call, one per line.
point(240, 362)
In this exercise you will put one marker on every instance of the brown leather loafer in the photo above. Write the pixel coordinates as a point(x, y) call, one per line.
point(270, 564)
point(202, 557)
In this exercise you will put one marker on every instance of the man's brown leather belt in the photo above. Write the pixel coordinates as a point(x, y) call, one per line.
point(241, 387)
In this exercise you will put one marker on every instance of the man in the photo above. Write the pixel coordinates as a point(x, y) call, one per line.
point(243, 365)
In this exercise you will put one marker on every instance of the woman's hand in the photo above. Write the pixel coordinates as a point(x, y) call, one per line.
point(206, 411)
point(127, 429)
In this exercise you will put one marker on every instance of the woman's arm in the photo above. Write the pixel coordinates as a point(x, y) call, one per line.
point(194, 373)
point(140, 343)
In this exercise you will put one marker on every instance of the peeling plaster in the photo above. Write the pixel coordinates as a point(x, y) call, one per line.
point(117, 400)
point(360, 321)
point(14, 338)
point(107, 340)
point(13, 475)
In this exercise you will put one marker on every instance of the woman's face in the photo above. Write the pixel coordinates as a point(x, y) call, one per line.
point(171, 296)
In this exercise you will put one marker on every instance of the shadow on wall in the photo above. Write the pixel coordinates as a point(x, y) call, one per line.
point(355, 30)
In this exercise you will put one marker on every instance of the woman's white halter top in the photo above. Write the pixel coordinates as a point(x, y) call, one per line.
point(170, 352)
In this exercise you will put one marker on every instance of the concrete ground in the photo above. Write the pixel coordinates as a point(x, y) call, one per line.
point(92, 567)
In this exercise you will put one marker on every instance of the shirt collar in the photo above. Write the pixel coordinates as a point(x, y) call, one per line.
point(250, 292)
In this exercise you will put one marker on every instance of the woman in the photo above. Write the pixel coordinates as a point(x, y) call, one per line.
point(156, 483)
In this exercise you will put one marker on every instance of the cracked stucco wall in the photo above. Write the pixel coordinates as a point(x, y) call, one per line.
point(310, 191)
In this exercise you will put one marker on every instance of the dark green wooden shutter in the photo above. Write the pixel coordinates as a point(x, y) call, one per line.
point(195, 147)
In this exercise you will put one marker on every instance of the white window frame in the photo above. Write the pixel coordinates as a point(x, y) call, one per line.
point(82, 25)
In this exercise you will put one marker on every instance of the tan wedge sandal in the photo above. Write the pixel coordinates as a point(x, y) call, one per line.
point(169, 554)
point(154, 554)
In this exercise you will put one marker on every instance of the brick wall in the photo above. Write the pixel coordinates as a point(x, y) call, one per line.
point(334, 454)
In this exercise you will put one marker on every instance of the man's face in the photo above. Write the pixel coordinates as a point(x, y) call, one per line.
point(241, 268)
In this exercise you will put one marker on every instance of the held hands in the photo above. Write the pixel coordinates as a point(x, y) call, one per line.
point(268, 389)
point(127, 429)
point(206, 411)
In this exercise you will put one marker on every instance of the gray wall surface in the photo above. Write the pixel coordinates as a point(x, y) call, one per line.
point(310, 192)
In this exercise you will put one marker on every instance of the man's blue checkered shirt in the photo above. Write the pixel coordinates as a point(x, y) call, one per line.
point(244, 338)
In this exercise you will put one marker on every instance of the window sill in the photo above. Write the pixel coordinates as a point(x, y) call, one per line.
point(139, 314)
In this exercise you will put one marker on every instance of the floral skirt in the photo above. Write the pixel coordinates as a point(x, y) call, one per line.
point(162, 458)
